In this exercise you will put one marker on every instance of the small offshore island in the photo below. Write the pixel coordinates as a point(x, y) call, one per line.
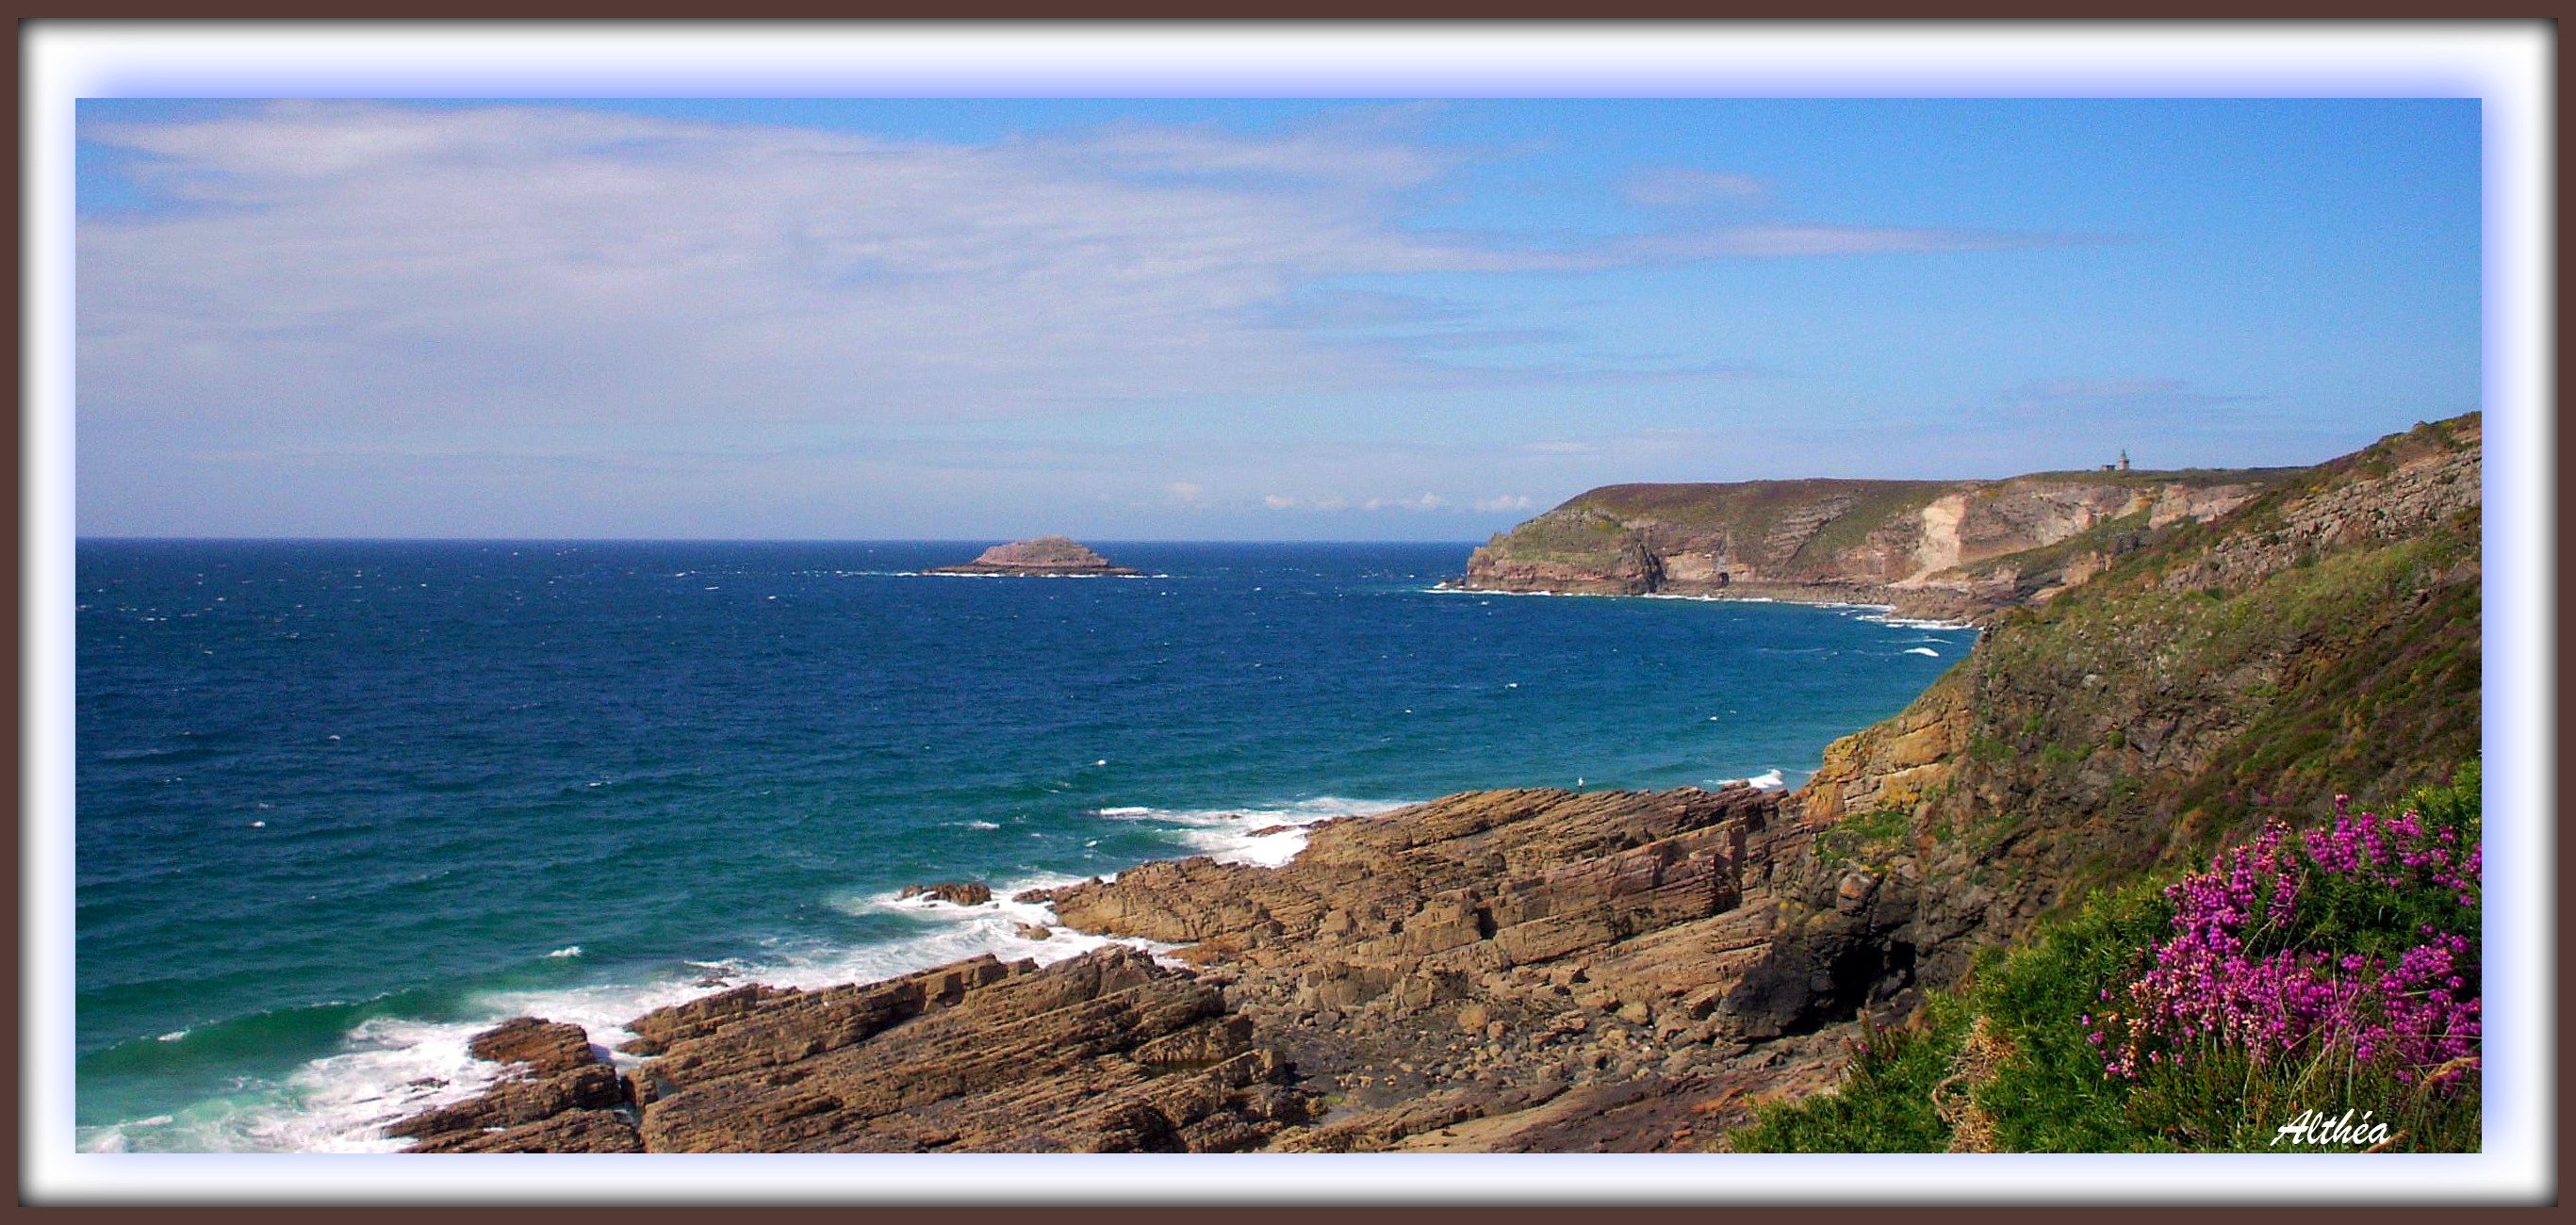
point(1044, 557)
point(2172, 663)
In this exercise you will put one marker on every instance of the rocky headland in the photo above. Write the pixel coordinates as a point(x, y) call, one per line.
point(1541, 970)
point(1953, 550)
point(1044, 557)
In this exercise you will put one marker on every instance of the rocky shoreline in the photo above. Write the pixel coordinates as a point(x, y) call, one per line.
point(1500, 971)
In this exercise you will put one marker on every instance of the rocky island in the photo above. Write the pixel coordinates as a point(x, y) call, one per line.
point(1044, 557)
point(1542, 970)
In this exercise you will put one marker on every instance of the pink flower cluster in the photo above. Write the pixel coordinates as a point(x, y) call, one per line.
point(2231, 975)
point(2394, 851)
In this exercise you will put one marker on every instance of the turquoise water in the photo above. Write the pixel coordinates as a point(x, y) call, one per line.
point(342, 804)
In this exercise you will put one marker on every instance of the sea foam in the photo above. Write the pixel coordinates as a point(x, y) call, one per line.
point(1261, 837)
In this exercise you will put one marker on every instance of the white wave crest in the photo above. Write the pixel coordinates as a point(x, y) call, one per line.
point(1262, 837)
point(1918, 623)
point(389, 1068)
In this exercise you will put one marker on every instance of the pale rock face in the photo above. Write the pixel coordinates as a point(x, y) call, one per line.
point(1691, 568)
point(1939, 548)
point(2179, 502)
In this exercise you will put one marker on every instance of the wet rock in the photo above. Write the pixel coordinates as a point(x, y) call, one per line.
point(552, 1072)
point(547, 1047)
point(955, 893)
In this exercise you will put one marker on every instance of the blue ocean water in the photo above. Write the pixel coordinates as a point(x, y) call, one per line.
point(342, 804)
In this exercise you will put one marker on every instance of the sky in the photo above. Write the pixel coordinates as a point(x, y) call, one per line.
point(1225, 320)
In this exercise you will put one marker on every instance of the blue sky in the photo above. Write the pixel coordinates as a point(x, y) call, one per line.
point(1226, 320)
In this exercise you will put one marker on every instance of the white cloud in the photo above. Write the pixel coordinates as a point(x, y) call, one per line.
point(1428, 501)
point(511, 264)
point(339, 263)
point(1519, 501)
point(1188, 493)
point(1278, 501)
point(1677, 188)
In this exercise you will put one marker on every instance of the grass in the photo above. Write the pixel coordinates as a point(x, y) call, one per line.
point(1868, 837)
point(1884, 1105)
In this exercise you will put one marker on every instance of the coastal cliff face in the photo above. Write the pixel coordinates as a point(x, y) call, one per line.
point(2322, 638)
point(1543, 970)
point(1956, 549)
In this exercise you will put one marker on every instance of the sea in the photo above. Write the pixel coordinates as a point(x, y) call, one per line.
point(340, 805)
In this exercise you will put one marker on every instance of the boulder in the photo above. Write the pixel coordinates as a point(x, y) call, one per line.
point(955, 893)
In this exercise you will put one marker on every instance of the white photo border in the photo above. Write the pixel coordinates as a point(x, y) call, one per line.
point(2508, 66)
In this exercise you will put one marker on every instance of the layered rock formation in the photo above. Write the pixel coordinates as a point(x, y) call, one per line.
point(1954, 549)
point(1502, 971)
point(1545, 970)
point(1104, 1053)
point(1044, 557)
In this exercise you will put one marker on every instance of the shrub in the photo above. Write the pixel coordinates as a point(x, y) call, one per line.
point(2345, 943)
point(2324, 971)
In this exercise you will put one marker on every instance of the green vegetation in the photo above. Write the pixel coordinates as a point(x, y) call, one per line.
point(1567, 534)
point(1750, 509)
point(1879, 505)
point(1866, 837)
point(2361, 666)
point(2023, 1057)
point(2188, 709)
point(1885, 1103)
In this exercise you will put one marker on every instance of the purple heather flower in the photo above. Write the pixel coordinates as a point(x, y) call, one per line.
point(2222, 978)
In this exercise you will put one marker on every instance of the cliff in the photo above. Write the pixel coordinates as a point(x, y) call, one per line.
point(1555, 971)
point(1044, 557)
point(1953, 549)
point(2321, 638)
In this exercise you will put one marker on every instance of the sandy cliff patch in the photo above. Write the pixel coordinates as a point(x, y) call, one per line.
point(1938, 548)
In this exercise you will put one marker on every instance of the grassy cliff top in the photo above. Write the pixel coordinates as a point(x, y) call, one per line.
point(1753, 506)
